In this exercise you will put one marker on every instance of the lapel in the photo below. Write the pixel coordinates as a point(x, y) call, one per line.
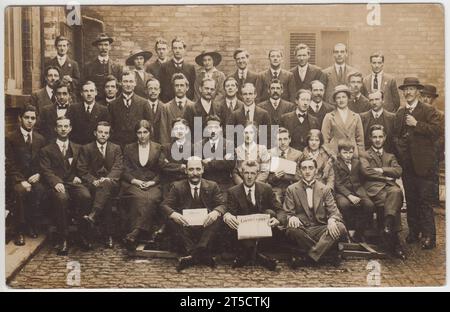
point(301, 193)
point(57, 152)
point(34, 144)
point(317, 197)
point(298, 80)
point(204, 194)
point(308, 74)
point(108, 154)
point(343, 165)
point(243, 199)
point(378, 161)
point(258, 197)
point(187, 191)
point(354, 163)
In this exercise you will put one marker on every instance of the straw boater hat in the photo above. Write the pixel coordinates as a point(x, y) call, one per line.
point(133, 54)
point(217, 58)
point(429, 90)
point(102, 37)
point(411, 82)
point(341, 88)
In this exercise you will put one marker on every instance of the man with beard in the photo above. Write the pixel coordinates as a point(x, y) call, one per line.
point(162, 50)
point(45, 96)
point(242, 74)
point(152, 93)
point(137, 59)
point(305, 73)
point(111, 90)
point(358, 103)
point(318, 107)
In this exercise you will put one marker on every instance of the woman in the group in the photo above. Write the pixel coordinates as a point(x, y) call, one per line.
point(250, 150)
point(141, 188)
point(324, 158)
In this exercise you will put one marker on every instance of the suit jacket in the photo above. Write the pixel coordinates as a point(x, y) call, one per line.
point(359, 105)
point(155, 120)
point(348, 182)
point(140, 88)
point(133, 168)
point(123, 120)
point(154, 69)
point(250, 78)
point(291, 122)
point(263, 83)
point(287, 179)
point(169, 112)
point(167, 70)
point(173, 170)
point(415, 145)
point(266, 201)
point(40, 99)
point(320, 115)
point(55, 167)
point(84, 125)
point(389, 88)
point(261, 117)
point(97, 72)
point(334, 129)
point(92, 166)
point(333, 80)
point(196, 110)
point(325, 160)
point(296, 204)
point(70, 68)
point(375, 181)
point(219, 78)
point(48, 121)
point(387, 120)
point(283, 107)
point(224, 112)
point(22, 165)
point(180, 197)
point(313, 72)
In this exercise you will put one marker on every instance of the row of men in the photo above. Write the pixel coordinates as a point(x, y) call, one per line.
point(89, 176)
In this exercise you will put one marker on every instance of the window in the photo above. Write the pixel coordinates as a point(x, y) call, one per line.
point(13, 50)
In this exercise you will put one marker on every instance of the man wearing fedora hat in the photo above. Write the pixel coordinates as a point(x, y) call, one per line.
point(208, 60)
point(416, 129)
point(242, 74)
point(98, 69)
point(138, 58)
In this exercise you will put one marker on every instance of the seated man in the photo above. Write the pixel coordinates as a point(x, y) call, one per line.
point(280, 180)
point(351, 197)
point(381, 169)
point(251, 197)
point(100, 166)
point(58, 162)
point(194, 193)
point(313, 220)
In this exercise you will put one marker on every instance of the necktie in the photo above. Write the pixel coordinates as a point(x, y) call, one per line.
point(102, 150)
point(379, 153)
point(128, 103)
point(301, 117)
point(317, 108)
point(213, 148)
point(230, 105)
point(247, 114)
point(52, 97)
point(64, 149)
point(180, 148)
point(196, 193)
point(249, 196)
point(340, 74)
point(180, 104)
point(376, 116)
point(375, 82)
point(275, 75)
point(153, 107)
point(88, 109)
point(282, 154)
point(28, 140)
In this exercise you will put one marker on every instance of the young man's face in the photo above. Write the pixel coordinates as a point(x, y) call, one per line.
point(180, 88)
point(62, 96)
point(284, 140)
point(63, 128)
point(248, 95)
point(28, 120)
point(275, 59)
point(153, 90)
point(102, 134)
point(103, 48)
point(139, 62)
point(178, 50)
point(377, 64)
point(128, 83)
point(52, 77)
point(231, 88)
point(111, 89)
point(346, 154)
point(302, 57)
point(88, 93)
point(377, 138)
point(339, 54)
point(376, 101)
point(249, 175)
point(62, 47)
point(162, 50)
point(308, 170)
point(303, 101)
point(241, 60)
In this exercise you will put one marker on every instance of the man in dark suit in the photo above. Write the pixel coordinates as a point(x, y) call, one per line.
point(100, 166)
point(230, 103)
point(153, 90)
point(305, 73)
point(86, 115)
point(416, 129)
point(276, 107)
point(112, 90)
point(318, 107)
point(176, 65)
point(69, 70)
point(161, 49)
point(194, 193)
point(250, 197)
point(50, 113)
point(98, 69)
point(378, 116)
point(137, 59)
point(299, 122)
point(58, 162)
point(23, 172)
point(242, 74)
point(379, 80)
point(381, 169)
point(275, 72)
point(45, 96)
point(313, 220)
point(358, 103)
point(126, 111)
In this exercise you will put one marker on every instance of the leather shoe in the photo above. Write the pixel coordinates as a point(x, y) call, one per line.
point(32, 232)
point(109, 242)
point(85, 244)
point(239, 262)
point(268, 263)
point(20, 240)
point(130, 243)
point(63, 249)
point(412, 238)
point(295, 262)
point(185, 262)
point(399, 252)
point(89, 220)
point(209, 261)
point(428, 243)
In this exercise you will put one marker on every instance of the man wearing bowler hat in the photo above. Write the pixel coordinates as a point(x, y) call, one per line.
point(98, 69)
point(415, 131)
point(208, 60)
point(138, 58)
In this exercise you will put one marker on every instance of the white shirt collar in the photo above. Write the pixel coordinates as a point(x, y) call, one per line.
point(285, 152)
point(233, 101)
point(104, 145)
point(242, 72)
point(181, 142)
point(277, 102)
point(251, 108)
point(206, 105)
point(336, 66)
point(413, 105)
point(302, 69)
point(127, 97)
point(313, 105)
point(60, 143)
point(378, 75)
point(61, 59)
point(194, 186)
point(25, 132)
point(49, 91)
point(178, 61)
point(101, 58)
point(183, 100)
point(90, 105)
point(252, 146)
point(378, 150)
point(278, 71)
point(377, 113)
point(246, 188)
point(297, 111)
point(107, 100)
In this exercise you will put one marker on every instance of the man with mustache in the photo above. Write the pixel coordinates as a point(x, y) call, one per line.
point(318, 107)
point(45, 96)
point(153, 90)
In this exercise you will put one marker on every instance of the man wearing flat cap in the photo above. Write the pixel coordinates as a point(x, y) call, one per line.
point(242, 74)
point(98, 69)
point(137, 59)
point(415, 131)
point(208, 60)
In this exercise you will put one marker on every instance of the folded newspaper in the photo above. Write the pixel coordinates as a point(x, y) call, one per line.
point(254, 226)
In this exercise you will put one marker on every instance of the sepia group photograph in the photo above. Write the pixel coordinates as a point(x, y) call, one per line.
point(231, 145)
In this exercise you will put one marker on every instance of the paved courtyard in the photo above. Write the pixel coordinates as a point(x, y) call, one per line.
point(104, 268)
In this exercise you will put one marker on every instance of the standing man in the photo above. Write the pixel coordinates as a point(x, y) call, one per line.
point(379, 80)
point(97, 70)
point(126, 111)
point(176, 65)
point(357, 103)
point(230, 103)
point(378, 116)
point(416, 129)
point(305, 73)
point(137, 59)
point(86, 115)
point(299, 122)
point(242, 74)
point(318, 107)
point(112, 89)
point(45, 96)
point(337, 73)
point(161, 49)
point(275, 72)
point(208, 61)
point(152, 93)
point(22, 147)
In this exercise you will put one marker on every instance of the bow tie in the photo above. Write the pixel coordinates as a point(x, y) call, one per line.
point(61, 106)
point(309, 186)
point(299, 115)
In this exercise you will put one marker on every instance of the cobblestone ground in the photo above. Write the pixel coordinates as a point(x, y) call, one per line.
point(104, 268)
